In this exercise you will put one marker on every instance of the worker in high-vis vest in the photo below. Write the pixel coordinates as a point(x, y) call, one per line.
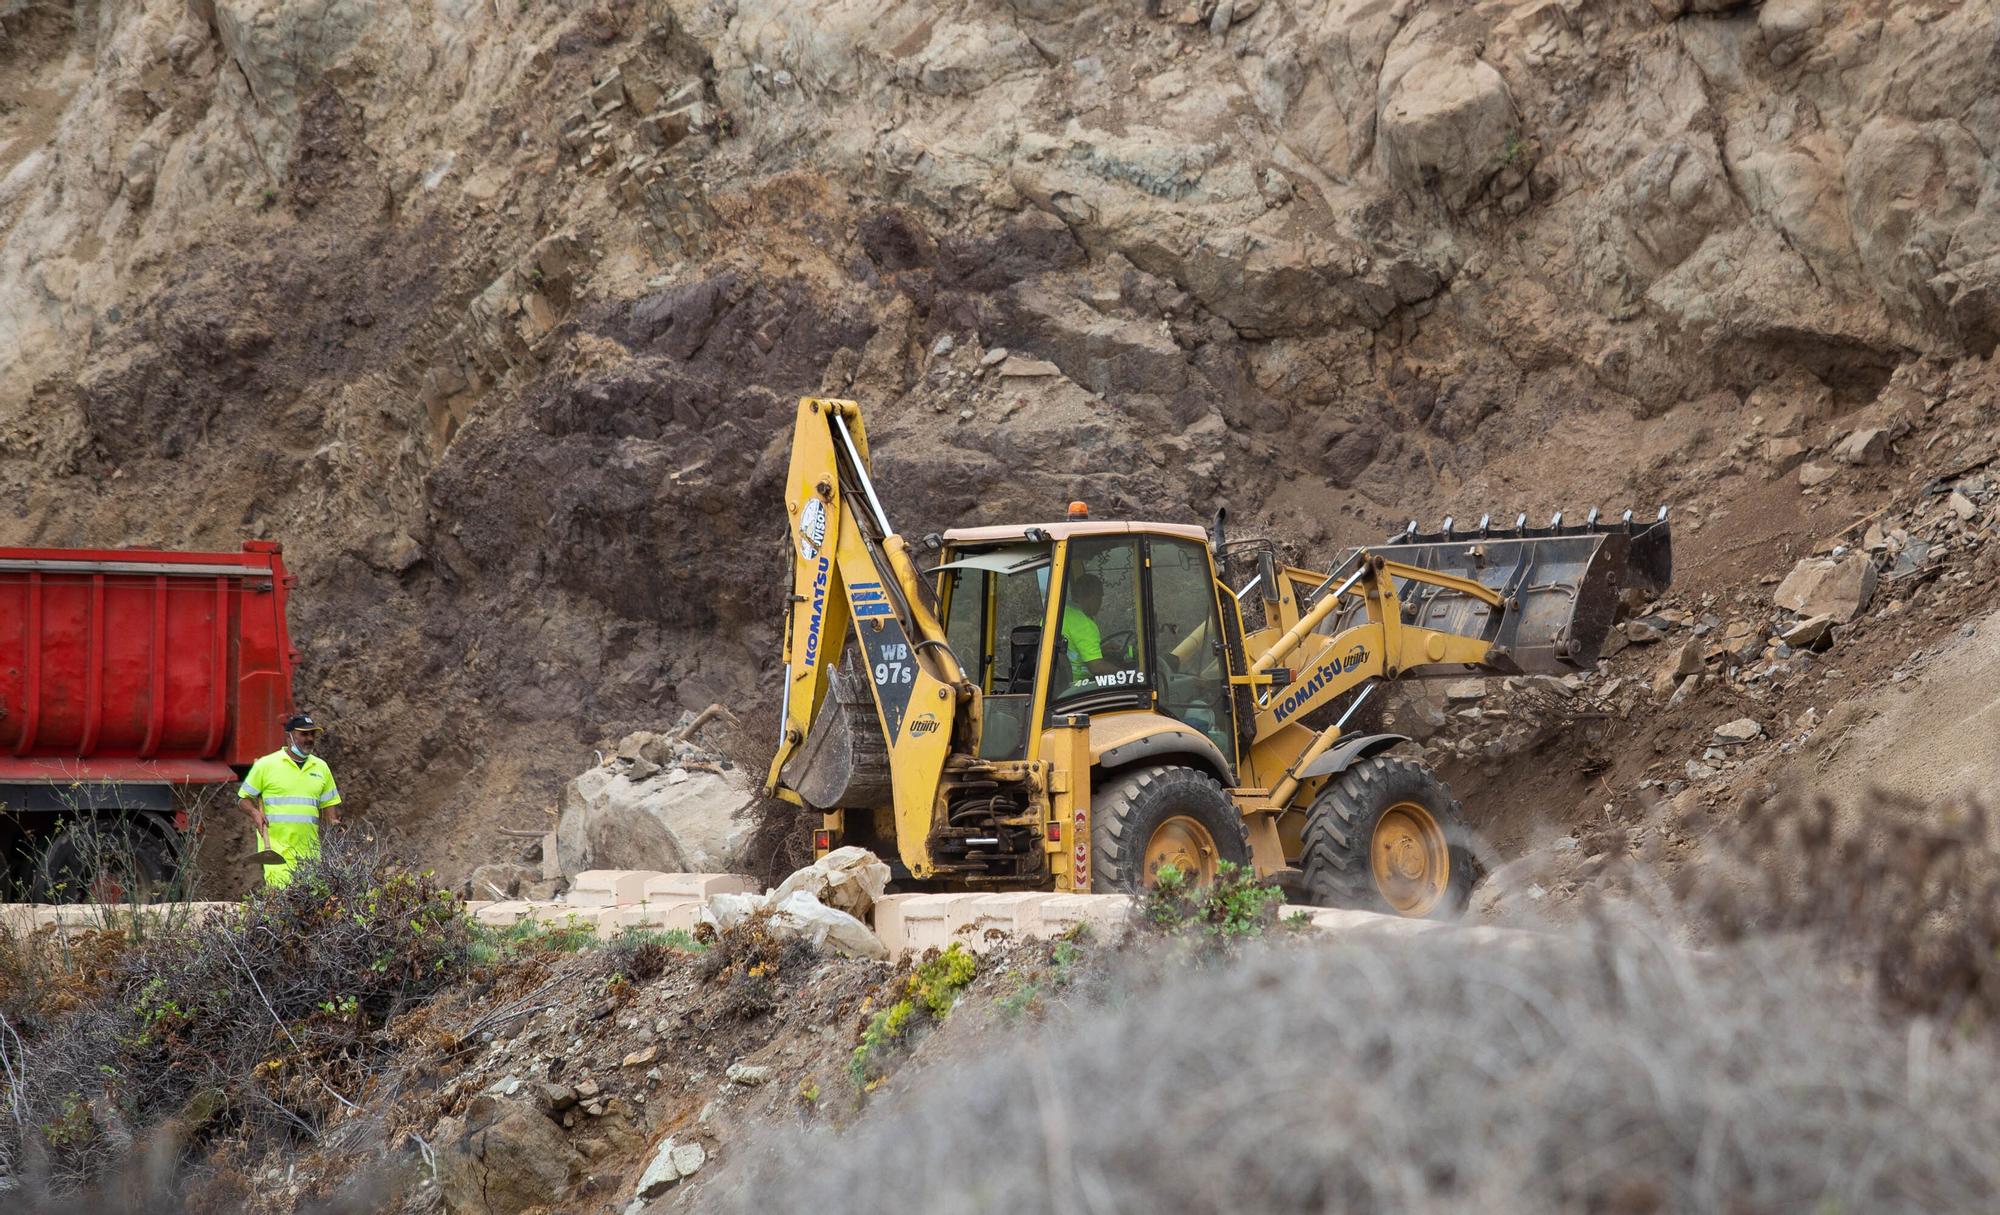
point(289, 796)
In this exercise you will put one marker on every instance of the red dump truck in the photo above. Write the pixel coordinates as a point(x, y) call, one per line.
point(132, 683)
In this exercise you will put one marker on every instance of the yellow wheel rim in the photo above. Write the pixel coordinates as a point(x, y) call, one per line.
point(1409, 858)
point(1186, 845)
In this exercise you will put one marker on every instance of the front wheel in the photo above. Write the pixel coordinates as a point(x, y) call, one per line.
point(1385, 835)
point(1147, 819)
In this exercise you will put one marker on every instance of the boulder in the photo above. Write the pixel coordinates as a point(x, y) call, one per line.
point(504, 1155)
point(1643, 632)
point(798, 915)
point(695, 825)
point(1021, 367)
point(1743, 729)
point(1742, 639)
point(672, 1162)
point(1835, 587)
point(1869, 445)
point(1808, 633)
point(1465, 691)
point(847, 879)
point(1446, 126)
point(1781, 453)
point(646, 745)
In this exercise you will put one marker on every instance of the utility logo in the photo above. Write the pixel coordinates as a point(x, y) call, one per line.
point(812, 528)
point(1302, 693)
point(925, 724)
point(818, 612)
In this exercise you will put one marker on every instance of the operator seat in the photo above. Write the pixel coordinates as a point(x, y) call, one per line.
point(1024, 647)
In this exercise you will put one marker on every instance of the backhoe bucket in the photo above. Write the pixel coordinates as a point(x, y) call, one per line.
point(1561, 584)
point(844, 760)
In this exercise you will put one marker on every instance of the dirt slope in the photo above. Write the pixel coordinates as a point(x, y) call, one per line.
point(493, 314)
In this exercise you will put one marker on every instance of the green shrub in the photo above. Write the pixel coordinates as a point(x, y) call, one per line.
point(928, 996)
point(270, 1014)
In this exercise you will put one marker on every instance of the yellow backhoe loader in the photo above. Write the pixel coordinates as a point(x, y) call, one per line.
point(1073, 705)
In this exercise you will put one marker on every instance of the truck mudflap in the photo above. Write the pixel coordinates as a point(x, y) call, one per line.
point(1560, 584)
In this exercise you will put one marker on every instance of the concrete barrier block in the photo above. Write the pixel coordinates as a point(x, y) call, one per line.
point(208, 911)
point(610, 887)
point(86, 917)
point(601, 920)
point(1103, 914)
point(1010, 915)
point(504, 915)
point(18, 919)
point(1347, 921)
point(912, 923)
point(657, 915)
point(678, 887)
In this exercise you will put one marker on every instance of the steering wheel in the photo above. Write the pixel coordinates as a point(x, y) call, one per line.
point(1109, 647)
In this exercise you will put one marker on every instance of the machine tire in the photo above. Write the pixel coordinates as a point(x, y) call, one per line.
point(72, 866)
point(1130, 809)
point(1340, 844)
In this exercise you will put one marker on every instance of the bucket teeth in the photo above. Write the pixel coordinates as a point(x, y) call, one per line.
point(1594, 521)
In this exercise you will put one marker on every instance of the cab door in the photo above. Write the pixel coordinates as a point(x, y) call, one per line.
point(1100, 662)
point(1190, 666)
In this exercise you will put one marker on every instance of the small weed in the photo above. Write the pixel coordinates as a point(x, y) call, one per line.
point(492, 945)
point(1236, 906)
point(343, 1008)
point(1030, 986)
point(71, 1127)
point(645, 953)
point(620, 989)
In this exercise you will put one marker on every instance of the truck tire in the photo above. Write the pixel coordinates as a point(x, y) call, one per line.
point(1147, 817)
point(94, 861)
point(1385, 835)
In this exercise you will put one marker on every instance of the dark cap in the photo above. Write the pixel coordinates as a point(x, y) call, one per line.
point(300, 721)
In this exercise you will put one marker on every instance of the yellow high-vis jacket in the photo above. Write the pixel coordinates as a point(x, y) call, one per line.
point(293, 794)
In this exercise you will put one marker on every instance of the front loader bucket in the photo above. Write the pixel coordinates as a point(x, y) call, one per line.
point(1560, 583)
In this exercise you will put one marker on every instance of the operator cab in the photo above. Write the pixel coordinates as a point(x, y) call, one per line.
point(1085, 617)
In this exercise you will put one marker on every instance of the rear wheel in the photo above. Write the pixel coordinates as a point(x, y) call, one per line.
point(1148, 818)
point(90, 861)
point(1385, 835)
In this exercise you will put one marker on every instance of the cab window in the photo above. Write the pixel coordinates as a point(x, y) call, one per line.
point(1100, 661)
point(996, 601)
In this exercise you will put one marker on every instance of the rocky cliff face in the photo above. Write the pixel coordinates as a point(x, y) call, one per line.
point(494, 313)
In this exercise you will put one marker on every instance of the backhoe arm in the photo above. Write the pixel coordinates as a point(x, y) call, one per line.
point(853, 581)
